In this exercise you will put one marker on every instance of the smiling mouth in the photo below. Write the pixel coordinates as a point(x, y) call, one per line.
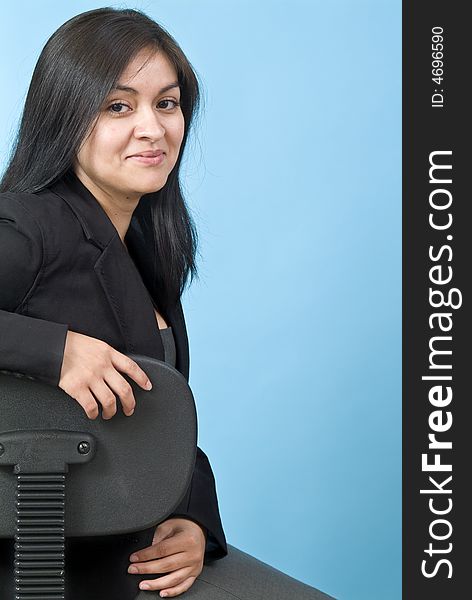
point(147, 153)
point(148, 160)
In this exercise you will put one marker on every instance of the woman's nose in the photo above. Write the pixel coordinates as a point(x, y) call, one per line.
point(150, 126)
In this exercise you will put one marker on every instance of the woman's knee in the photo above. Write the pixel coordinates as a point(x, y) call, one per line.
point(247, 578)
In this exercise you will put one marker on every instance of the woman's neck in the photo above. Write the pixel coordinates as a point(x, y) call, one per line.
point(119, 210)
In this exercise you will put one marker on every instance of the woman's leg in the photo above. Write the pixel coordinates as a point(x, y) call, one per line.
point(240, 576)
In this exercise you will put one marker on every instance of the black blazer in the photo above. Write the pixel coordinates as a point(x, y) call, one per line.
point(63, 266)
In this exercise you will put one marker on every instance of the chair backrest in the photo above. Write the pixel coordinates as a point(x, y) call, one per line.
point(123, 474)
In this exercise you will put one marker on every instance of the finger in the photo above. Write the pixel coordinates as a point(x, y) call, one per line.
point(171, 580)
point(127, 365)
point(168, 564)
point(163, 531)
point(162, 549)
point(105, 397)
point(122, 389)
point(88, 403)
point(178, 589)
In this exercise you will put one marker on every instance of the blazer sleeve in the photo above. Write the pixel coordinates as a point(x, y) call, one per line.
point(28, 345)
point(200, 504)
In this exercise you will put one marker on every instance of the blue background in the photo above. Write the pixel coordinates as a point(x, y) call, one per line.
point(294, 326)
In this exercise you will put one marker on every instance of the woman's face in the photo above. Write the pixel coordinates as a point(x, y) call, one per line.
point(145, 118)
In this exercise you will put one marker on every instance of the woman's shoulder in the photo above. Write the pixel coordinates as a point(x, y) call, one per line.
point(43, 218)
point(44, 207)
point(15, 201)
point(41, 215)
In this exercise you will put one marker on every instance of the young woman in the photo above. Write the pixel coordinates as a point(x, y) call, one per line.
point(97, 247)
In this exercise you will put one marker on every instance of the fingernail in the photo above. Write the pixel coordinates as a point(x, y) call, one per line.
point(144, 586)
point(148, 385)
point(132, 569)
point(133, 557)
point(163, 594)
point(130, 413)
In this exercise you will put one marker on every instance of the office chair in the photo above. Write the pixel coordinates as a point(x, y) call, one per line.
point(63, 474)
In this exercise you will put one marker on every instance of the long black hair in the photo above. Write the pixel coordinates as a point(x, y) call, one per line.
point(77, 68)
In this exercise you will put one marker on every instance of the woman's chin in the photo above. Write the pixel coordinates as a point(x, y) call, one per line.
point(148, 185)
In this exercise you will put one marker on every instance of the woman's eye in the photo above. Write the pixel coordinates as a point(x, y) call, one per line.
point(174, 104)
point(111, 107)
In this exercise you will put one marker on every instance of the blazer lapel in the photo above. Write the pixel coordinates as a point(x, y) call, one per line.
point(129, 300)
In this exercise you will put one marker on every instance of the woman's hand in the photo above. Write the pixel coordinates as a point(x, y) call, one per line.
point(91, 366)
point(178, 548)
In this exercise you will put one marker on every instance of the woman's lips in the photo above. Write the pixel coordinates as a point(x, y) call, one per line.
point(149, 160)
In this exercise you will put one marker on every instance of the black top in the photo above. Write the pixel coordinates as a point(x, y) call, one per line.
point(169, 345)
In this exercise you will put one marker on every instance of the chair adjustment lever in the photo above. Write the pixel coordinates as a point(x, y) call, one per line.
point(41, 460)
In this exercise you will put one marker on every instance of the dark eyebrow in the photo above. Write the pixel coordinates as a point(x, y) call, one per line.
point(131, 90)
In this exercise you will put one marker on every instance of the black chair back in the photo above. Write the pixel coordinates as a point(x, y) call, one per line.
point(63, 474)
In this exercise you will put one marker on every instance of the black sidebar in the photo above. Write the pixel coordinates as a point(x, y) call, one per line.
point(437, 272)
